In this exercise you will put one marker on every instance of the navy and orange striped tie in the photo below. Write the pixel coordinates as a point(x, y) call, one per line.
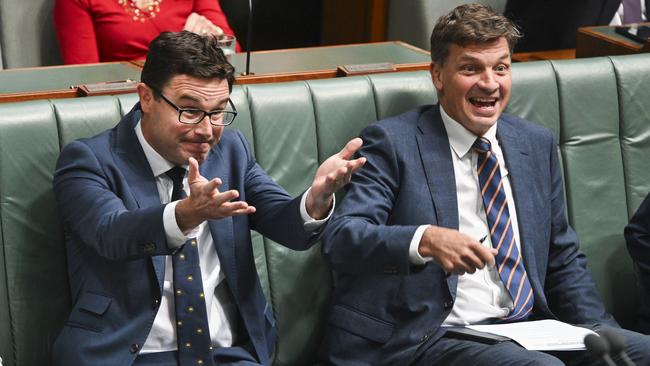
point(508, 259)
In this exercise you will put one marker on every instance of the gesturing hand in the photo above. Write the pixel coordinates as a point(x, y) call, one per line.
point(332, 175)
point(454, 251)
point(206, 202)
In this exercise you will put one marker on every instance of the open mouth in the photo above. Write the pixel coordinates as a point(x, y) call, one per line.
point(483, 102)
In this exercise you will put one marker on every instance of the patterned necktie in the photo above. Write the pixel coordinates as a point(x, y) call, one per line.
point(631, 11)
point(192, 331)
point(508, 259)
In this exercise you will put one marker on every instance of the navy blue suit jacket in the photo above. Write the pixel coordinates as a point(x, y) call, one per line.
point(384, 308)
point(116, 242)
point(637, 236)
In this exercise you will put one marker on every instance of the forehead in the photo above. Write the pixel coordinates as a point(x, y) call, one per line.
point(497, 49)
point(201, 89)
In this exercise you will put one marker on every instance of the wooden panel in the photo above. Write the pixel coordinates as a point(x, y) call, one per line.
point(604, 41)
point(356, 21)
point(266, 66)
point(565, 54)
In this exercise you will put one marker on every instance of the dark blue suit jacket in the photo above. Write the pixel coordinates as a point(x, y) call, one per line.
point(383, 307)
point(637, 236)
point(116, 242)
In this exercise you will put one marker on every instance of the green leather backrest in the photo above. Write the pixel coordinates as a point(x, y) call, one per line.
point(596, 108)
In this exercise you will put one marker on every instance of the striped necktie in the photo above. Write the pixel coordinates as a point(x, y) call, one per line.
point(192, 331)
point(508, 259)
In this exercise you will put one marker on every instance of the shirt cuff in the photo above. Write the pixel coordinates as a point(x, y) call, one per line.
point(414, 254)
point(309, 223)
point(175, 237)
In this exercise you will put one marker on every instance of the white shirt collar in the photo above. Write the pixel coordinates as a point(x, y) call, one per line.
point(462, 139)
point(158, 164)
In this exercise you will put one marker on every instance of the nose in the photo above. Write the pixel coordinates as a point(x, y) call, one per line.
point(204, 128)
point(488, 81)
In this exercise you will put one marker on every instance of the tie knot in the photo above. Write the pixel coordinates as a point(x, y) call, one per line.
point(176, 174)
point(482, 145)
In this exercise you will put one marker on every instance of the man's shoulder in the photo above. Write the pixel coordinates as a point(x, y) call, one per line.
point(524, 126)
point(106, 138)
point(406, 122)
point(232, 139)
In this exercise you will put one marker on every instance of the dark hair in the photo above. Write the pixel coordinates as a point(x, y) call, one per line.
point(185, 53)
point(470, 24)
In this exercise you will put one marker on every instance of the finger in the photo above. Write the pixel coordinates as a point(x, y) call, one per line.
point(350, 148)
point(457, 272)
point(472, 261)
point(356, 164)
point(492, 261)
point(483, 254)
point(245, 210)
point(212, 187)
point(226, 196)
point(234, 206)
point(216, 30)
point(190, 22)
point(193, 174)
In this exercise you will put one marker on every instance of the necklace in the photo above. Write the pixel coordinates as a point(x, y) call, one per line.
point(141, 9)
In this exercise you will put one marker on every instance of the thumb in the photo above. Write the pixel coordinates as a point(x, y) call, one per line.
point(193, 175)
point(350, 148)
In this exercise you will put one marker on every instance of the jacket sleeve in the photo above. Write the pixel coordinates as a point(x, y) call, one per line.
point(98, 209)
point(637, 236)
point(570, 288)
point(358, 239)
point(278, 215)
point(75, 31)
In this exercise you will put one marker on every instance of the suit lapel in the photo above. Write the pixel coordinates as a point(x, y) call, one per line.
point(222, 229)
point(516, 152)
point(130, 159)
point(435, 154)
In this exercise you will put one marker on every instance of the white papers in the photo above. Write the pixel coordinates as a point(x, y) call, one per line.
point(540, 335)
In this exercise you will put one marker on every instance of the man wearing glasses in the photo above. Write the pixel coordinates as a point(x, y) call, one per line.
point(157, 214)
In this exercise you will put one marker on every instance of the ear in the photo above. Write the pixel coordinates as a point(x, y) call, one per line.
point(146, 97)
point(436, 75)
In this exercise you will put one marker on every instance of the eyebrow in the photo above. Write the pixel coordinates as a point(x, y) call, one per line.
point(188, 97)
point(472, 58)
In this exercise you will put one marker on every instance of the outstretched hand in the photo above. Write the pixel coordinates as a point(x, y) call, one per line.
point(332, 175)
point(206, 202)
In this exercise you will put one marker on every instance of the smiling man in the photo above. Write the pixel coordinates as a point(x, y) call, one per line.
point(157, 214)
point(457, 218)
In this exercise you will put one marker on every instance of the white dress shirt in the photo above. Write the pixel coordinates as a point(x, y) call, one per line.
point(221, 311)
point(482, 295)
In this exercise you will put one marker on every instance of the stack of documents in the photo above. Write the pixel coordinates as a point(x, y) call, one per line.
point(540, 335)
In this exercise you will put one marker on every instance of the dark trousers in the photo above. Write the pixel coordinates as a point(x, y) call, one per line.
point(227, 356)
point(451, 351)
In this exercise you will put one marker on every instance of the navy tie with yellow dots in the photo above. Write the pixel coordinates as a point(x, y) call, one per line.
point(192, 332)
point(508, 259)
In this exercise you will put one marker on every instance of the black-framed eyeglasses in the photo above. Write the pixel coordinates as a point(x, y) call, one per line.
point(192, 116)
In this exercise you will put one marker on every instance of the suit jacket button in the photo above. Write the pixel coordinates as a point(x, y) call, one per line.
point(424, 338)
point(156, 302)
point(448, 304)
point(134, 348)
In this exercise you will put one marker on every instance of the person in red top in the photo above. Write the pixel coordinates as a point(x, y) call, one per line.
point(116, 30)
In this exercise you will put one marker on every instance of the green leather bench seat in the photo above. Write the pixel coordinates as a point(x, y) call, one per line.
point(597, 108)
